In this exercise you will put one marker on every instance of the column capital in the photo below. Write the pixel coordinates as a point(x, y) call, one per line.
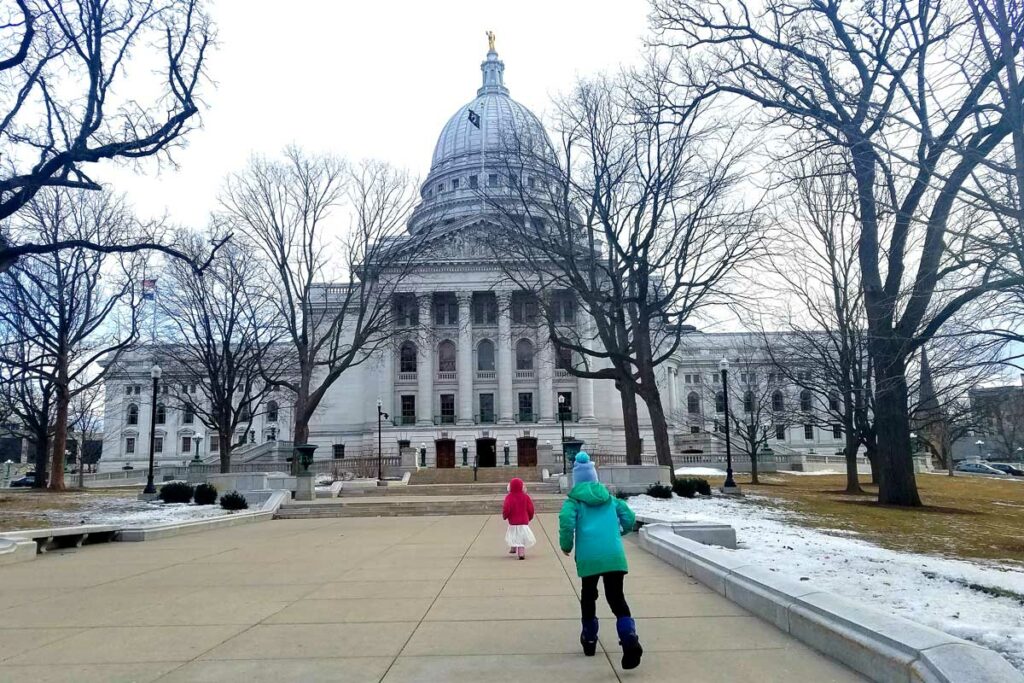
point(504, 296)
point(465, 297)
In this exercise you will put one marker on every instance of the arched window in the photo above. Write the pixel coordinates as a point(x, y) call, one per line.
point(485, 356)
point(407, 357)
point(161, 413)
point(446, 356)
point(693, 403)
point(748, 401)
point(272, 412)
point(805, 400)
point(720, 402)
point(778, 402)
point(133, 414)
point(524, 355)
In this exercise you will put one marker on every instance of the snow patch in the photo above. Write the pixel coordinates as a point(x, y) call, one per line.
point(700, 472)
point(130, 512)
point(819, 473)
point(930, 590)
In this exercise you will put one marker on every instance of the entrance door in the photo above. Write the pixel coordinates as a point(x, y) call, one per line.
point(486, 452)
point(445, 453)
point(526, 450)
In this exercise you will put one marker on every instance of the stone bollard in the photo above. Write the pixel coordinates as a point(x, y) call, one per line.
point(305, 487)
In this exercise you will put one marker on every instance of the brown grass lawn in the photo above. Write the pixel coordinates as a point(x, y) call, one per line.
point(24, 509)
point(963, 517)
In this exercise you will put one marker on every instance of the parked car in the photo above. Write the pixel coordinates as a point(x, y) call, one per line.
point(979, 468)
point(27, 481)
point(1007, 469)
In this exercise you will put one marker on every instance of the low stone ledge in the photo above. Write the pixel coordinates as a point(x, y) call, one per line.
point(14, 550)
point(65, 537)
point(266, 512)
point(881, 646)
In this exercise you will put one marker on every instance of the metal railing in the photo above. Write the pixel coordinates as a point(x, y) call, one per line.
point(620, 459)
point(484, 419)
point(566, 416)
point(445, 419)
point(403, 420)
point(526, 417)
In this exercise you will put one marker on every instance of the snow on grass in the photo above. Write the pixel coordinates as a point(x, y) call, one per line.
point(820, 473)
point(979, 601)
point(699, 472)
point(130, 512)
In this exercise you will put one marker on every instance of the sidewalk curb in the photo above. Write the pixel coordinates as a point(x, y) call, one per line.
point(883, 647)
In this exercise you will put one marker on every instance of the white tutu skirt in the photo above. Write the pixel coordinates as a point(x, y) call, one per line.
point(519, 535)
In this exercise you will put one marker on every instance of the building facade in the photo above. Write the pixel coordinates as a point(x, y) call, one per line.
point(470, 377)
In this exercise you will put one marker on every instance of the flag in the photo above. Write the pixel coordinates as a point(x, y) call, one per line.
point(474, 118)
point(149, 289)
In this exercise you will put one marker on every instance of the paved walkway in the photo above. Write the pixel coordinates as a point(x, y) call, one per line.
point(366, 599)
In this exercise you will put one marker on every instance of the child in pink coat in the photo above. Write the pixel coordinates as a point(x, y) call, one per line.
point(518, 511)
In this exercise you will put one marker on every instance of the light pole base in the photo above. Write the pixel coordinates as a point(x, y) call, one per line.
point(731, 490)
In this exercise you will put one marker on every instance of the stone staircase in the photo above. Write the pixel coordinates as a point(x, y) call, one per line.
point(478, 489)
point(464, 475)
point(417, 506)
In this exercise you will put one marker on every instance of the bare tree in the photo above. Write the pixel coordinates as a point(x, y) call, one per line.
point(635, 216)
point(876, 82)
point(84, 419)
point(219, 342)
point(333, 299)
point(27, 397)
point(65, 73)
point(75, 305)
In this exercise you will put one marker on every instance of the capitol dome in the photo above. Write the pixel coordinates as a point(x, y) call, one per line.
point(467, 154)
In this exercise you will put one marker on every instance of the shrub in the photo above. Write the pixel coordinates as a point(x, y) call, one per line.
point(176, 492)
point(619, 493)
point(688, 487)
point(659, 491)
point(233, 501)
point(206, 494)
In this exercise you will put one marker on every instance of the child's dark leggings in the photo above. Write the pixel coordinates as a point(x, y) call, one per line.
point(612, 593)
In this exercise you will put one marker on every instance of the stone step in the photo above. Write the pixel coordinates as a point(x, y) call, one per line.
point(464, 475)
point(460, 489)
point(378, 507)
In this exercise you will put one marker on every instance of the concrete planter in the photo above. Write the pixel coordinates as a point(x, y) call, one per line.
point(629, 478)
point(238, 481)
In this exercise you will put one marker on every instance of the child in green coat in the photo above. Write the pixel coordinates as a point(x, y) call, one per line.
point(595, 520)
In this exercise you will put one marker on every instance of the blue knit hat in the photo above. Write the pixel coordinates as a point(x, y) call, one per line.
point(583, 470)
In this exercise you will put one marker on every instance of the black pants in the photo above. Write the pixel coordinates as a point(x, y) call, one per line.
point(612, 593)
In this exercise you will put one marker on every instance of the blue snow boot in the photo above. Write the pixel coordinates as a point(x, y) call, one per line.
point(588, 637)
point(630, 642)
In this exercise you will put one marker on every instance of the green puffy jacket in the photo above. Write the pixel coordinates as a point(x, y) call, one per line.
point(596, 522)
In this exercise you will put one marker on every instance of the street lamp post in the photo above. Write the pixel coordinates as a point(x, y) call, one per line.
point(1020, 453)
point(730, 485)
point(561, 419)
point(381, 416)
point(198, 439)
point(423, 454)
point(150, 489)
point(506, 452)
point(981, 445)
point(465, 454)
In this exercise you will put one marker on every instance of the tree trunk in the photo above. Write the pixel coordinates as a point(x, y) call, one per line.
point(896, 483)
point(225, 451)
point(659, 425)
point(852, 476)
point(630, 423)
point(60, 439)
point(753, 465)
point(42, 452)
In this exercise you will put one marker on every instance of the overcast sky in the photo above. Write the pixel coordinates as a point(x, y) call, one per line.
point(370, 79)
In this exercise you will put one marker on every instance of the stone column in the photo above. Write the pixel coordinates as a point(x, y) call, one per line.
point(505, 406)
point(546, 375)
point(464, 359)
point(672, 373)
point(425, 363)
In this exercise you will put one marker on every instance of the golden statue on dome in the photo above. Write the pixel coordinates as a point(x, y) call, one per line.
point(490, 41)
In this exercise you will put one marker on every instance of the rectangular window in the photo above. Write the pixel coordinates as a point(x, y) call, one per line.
point(189, 416)
point(409, 409)
point(129, 445)
point(743, 377)
point(214, 444)
point(695, 429)
point(837, 431)
point(440, 188)
point(186, 444)
point(492, 180)
point(809, 432)
point(565, 405)
point(486, 408)
point(448, 409)
point(338, 451)
point(526, 406)
point(485, 309)
point(473, 182)
point(455, 183)
point(537, 224)
point(158, 445)
point(780, 433)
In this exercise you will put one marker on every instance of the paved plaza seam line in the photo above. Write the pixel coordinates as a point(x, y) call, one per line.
point(483, 525)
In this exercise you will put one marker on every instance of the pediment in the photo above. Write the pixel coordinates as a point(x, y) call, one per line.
point(471, 240)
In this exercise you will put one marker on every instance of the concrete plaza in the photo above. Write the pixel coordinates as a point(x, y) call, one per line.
point(366, 599)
